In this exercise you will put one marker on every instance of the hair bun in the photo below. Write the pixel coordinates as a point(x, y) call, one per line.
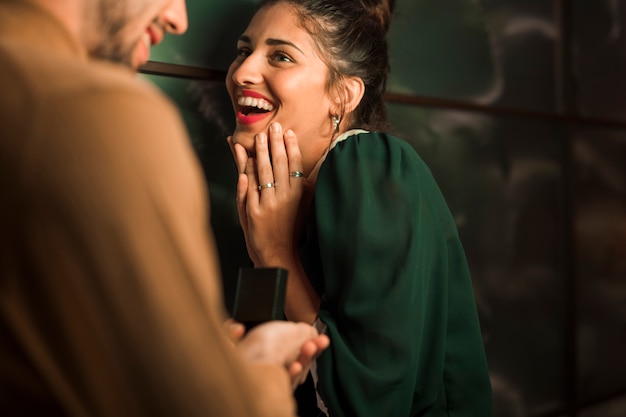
point(380, 10)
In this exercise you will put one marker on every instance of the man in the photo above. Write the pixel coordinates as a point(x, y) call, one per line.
point(109, 294)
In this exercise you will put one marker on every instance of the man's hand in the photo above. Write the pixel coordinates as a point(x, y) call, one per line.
point(291, 345)
point(234, 330)
point(299, 369)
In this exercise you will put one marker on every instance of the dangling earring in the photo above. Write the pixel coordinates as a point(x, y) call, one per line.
point(336, 123)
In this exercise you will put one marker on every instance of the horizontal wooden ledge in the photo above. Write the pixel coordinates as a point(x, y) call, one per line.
point(449, 104)
point(182, 71)
point(199, 73)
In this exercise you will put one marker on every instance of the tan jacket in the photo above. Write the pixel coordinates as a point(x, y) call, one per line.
point(110, 302)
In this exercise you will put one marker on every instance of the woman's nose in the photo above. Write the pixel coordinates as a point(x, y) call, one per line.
point(247, 71)
point(175, 17)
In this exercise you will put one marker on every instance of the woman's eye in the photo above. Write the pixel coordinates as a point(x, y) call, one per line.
point(282, 57)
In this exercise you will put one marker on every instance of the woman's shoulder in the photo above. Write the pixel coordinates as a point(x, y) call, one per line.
point(374, 140)
point(377, 146)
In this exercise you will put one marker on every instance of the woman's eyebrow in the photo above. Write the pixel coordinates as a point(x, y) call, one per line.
point(270, 42)
point(278, 42)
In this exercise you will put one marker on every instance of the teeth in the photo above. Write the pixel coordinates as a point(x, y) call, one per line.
point(259, 103)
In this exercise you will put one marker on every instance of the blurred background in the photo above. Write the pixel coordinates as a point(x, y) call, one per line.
point(519, 108)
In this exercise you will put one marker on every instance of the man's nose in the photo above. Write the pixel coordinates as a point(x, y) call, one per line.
point(175, 17)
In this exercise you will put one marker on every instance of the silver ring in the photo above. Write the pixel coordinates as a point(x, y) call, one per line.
point(296, 174)
point(268, 185)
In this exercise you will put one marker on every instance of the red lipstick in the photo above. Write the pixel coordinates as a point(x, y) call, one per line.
point(254, 94)
point(248, 119)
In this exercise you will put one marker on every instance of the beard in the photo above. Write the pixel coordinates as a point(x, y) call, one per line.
point(115, 53)
point(111, 21)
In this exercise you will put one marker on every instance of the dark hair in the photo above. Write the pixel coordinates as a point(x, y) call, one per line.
point(352, 37)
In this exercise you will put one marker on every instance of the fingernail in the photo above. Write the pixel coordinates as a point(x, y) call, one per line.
point(289, 132)
point(275, 127)
point(261, 137)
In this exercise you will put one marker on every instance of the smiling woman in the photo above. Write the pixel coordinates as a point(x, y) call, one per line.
point(280, 67)
point(372, 250)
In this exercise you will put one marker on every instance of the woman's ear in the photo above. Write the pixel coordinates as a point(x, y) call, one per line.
point(349, 95)
point(354, 88)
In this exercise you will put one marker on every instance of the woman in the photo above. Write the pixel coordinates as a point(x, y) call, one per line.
point(354, 214)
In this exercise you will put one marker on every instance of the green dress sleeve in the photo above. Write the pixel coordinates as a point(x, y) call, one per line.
point(395, 288)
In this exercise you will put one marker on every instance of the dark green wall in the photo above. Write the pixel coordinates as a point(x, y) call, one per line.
point(519, 107)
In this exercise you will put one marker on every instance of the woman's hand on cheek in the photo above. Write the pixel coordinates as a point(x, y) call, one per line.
point(274, 196)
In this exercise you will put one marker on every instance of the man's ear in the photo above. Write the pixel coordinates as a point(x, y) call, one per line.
point(349, 96)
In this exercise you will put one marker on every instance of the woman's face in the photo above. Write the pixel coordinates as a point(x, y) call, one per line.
point(279, 76)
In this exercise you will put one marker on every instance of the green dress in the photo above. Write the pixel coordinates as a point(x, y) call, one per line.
point(383, 252)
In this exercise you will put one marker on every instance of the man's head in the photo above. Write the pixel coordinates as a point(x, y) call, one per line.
point(120, 31)
point(124, 30)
